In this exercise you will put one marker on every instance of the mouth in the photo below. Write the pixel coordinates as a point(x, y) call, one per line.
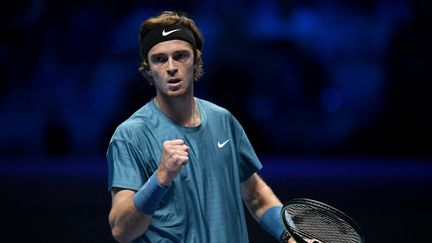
point(174, 81)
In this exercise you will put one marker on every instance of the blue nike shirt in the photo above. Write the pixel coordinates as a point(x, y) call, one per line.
point(203, 203)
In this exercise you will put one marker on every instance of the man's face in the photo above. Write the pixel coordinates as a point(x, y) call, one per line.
point(172, 67)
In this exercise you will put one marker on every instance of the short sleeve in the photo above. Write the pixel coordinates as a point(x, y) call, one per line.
point(248, 161)
point(125, 168)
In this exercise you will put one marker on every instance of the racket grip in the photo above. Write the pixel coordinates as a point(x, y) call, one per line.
point(285, 237)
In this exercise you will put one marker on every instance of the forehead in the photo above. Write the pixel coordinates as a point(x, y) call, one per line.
point(170, 46)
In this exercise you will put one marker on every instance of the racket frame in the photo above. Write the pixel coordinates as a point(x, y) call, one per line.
point(322, 207)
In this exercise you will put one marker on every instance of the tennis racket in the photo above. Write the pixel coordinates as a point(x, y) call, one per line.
point(310, 221)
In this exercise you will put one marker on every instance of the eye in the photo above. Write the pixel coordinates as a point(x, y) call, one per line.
point(158, 59)
point(181, 56)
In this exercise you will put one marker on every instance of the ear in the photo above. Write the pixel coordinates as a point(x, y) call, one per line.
point(148, 72)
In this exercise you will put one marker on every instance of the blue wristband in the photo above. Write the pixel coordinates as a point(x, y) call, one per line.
point(148, 197)
point(272, 222)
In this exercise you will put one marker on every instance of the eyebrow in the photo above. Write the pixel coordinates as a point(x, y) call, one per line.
point(175, 52)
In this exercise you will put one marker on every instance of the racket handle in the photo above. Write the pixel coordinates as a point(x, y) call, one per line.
point(285, 237)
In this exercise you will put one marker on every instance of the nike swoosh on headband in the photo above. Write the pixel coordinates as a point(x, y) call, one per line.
point(169, 32)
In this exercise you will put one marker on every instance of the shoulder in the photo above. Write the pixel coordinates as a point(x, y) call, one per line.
point(212, 108)
point(140, 121)
point(216, 113)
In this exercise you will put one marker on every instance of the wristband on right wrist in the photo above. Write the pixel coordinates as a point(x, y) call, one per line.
point(148, 197)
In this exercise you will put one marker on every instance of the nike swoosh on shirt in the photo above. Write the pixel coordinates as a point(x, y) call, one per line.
point(221, 145)
point(169, 32)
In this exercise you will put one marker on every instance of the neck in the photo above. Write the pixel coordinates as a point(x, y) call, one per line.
point(182, 110)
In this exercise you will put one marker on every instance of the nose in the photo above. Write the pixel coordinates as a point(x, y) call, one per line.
point(172, 68)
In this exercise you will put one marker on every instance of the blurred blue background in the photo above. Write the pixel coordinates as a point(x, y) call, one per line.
point(334, 95)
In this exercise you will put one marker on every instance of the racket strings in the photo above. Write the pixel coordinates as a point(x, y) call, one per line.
point(310, 222)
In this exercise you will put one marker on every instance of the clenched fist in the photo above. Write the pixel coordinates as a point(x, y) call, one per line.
point(175, 154)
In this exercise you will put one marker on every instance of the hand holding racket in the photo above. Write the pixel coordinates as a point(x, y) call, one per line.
point(310, 221)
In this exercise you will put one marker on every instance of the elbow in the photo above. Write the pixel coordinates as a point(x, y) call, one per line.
point(123, 236)
point(118, 232)
point(120, 235)
point(127, 226)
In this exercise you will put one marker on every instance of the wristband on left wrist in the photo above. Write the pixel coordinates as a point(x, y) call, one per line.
point(272, 222)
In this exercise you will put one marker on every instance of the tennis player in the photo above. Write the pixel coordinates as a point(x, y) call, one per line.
point(181, 167)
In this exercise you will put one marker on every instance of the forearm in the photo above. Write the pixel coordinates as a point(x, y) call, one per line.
point(127, 222)
point(260, 200)
point(263, 205)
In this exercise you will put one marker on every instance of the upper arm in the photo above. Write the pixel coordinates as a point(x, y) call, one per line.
point(126, 222)
point(120, 199)
point(249, 186)
point(119, 195)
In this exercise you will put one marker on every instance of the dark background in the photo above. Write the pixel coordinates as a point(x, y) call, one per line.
point(334, 95)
